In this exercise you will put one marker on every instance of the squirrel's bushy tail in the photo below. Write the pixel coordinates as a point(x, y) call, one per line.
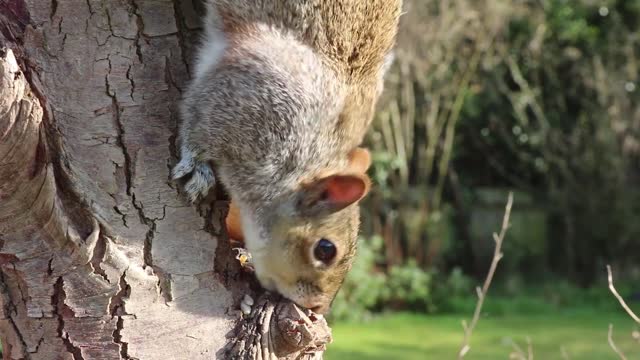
point(213, 42)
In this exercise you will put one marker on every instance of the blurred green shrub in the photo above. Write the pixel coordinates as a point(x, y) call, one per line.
point(367, 289)
point(451, 290)
point(409, 287)
point(556, 113)
point(541, 96)
point(488, 95)
point(365, 286)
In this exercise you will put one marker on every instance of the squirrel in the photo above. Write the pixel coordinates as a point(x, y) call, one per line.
point(282, 94)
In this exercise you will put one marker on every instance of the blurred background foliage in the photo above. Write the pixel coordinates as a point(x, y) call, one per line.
point(487, 96)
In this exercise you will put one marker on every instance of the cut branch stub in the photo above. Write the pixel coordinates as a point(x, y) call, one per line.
point(278, 329)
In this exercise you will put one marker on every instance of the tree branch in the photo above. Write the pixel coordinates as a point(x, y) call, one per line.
point(613, 344)
point(620, 299)
point(519, 354)
point(497, 255)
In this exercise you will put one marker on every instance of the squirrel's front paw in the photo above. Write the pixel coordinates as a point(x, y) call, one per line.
point(201, 181)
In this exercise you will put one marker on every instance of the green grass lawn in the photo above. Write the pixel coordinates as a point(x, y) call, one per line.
point(407, 336)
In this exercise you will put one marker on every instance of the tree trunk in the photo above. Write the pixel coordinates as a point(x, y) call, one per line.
point(100, 257)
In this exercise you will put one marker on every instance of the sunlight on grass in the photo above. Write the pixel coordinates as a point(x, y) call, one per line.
point(408, 336)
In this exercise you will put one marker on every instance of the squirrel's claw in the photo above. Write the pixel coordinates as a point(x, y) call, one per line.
point(202, 177)
point(202, 180)
point(183, 168)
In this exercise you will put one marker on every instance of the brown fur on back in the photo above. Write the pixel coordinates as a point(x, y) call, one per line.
point(353, 36)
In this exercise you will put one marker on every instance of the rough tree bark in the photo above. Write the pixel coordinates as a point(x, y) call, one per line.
point(100, 257)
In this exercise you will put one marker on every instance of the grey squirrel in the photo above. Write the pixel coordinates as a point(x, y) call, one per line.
point(282, 95)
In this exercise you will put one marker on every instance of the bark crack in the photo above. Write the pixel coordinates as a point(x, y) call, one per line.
point(19, 335)
point(168, 76)
point(120, 129)
point(147, 257)
point(35, 351)
point(19, 285)
point(117, 309)
point(90, 7)
point(116, 303)
point(91, 13)
point(98, 256)
point(50, 266)
point(133, 84)
point(117, 338)
point(164, 284)
point(182, 29)
point(148, 241)
point(140, 25)
point(61, 310)
point(128, 169)
point(164, 279)
point(113, 34)
point(54, 9)
point(9, 310)
point(123, 215)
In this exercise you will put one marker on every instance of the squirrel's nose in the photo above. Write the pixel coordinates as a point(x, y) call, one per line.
point(316, 305)
point(318, 309)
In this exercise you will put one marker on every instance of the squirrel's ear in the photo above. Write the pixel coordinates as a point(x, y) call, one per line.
point(333, 193)
point(359, 160)
point(344, 190)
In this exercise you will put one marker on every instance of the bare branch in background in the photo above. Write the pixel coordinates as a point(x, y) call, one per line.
point(624, 306)
point(613, 345)
point(519, 354)
point(442, 47)
point(497, 255)
point(620, 299)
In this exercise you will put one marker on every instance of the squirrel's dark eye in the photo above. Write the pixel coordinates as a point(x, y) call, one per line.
point(325, 251)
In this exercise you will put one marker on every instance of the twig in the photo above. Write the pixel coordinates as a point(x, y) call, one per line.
point(620, 299)
point(613, 345)
point(517, 353)
point(497, 255)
